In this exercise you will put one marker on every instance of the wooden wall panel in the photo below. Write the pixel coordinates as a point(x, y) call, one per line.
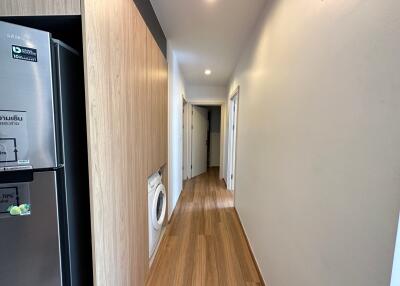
point(39, 7)
point(164, 123)
point(152, 79)
point(126, 101)
point(158, 96)
point(164, 108)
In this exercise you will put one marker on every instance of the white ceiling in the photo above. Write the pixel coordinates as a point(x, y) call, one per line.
point(207, 34)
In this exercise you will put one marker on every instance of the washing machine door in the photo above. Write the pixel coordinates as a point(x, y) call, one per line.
point(159, 207)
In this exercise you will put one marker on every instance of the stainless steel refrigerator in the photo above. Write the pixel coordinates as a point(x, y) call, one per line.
point(44, 196)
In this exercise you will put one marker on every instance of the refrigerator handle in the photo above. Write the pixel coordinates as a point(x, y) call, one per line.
point(16, 176)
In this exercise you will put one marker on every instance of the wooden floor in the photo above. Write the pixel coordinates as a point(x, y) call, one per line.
point(204, 244)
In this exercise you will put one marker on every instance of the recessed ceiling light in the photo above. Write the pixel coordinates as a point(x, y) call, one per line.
point(207, 72)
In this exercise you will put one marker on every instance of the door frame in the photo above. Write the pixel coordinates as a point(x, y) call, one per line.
point(233, 107)
point(396, 260)
point(185, 108)
point(210, 102)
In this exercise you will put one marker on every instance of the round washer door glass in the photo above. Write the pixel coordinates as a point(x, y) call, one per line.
point(159, 207)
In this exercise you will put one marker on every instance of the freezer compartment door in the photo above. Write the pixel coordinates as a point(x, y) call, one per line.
point(27, 122)
point(29, 240)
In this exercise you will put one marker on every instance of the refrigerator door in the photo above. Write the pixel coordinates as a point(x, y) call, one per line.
point(27, 124)
point(73, 149)
point(29, 244)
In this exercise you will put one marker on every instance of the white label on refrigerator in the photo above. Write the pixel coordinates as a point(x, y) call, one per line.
point(13, 138)
point(8, 197)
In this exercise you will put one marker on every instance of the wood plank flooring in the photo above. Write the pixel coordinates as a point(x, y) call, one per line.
point(204, 244)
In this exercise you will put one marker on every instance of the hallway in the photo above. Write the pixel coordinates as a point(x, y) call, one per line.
point(204, 244)
point(249, 142)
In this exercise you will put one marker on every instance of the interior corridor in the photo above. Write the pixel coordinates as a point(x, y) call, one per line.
point(204, 243)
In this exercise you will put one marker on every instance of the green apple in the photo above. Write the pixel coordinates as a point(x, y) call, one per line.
point(15, 211)
point(25, 208)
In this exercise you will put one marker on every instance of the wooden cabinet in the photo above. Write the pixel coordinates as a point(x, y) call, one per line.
point(39, 7)
point(126, 80)
point(157, 93)
point(126, 98)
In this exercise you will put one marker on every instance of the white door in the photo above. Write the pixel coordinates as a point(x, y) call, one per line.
point(199, 140)
point(232, 142)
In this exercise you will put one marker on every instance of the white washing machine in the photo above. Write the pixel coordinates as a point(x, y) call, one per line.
point(157, 210)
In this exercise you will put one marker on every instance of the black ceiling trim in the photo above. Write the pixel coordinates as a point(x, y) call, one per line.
point(149, 16)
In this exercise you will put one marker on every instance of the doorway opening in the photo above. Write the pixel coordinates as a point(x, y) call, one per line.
point(205, 139)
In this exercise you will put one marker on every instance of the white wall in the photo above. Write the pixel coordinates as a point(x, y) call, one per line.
point(215, 136)
point(206, 94)
point(176, 89)
point(318, 171)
